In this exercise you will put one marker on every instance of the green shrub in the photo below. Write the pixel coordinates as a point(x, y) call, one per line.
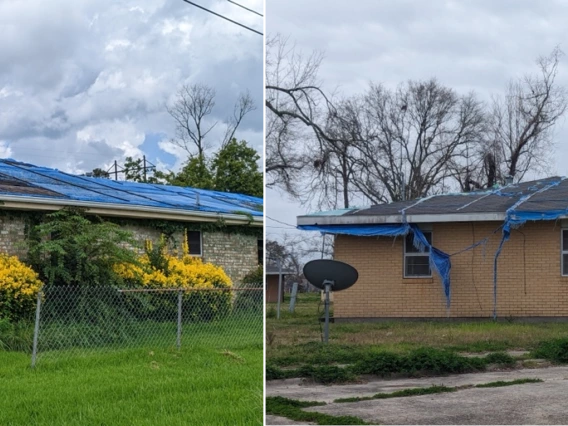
point(381, 364)
point(553, 350)
point(251, 300)
point(440, 362)
point(500, 358)
point(274, 373)
point(326, 373)
point(16, 336)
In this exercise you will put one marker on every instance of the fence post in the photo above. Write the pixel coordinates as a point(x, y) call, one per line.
point(36, 327)
point(293, 297)
point(180, 294)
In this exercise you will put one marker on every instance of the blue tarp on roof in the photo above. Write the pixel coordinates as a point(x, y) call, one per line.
point(65, 186)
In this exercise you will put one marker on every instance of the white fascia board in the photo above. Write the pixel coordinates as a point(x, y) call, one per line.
point(14, 202)
point(417, 218)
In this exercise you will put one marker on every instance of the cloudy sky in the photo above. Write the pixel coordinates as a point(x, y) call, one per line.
point(86, 82)
point(466, 44)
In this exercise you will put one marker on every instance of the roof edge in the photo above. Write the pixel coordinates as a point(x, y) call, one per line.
point(14, 202)
point(410, 218)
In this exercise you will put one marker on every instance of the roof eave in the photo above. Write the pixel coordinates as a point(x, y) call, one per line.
point(388, 219)
point(14, 202)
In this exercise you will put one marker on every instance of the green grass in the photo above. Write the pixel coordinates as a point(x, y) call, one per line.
point(400, 394)
point(295, 339)
point(502, 383)
point(292, 409)
point(134, 386)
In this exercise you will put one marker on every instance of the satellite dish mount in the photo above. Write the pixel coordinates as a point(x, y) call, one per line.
point(329, 275)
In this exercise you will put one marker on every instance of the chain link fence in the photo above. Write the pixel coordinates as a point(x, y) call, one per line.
point(71, 321)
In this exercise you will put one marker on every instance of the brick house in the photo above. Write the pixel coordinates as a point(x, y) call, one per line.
point(495, 253)
point(225, 229)
point(272, 276)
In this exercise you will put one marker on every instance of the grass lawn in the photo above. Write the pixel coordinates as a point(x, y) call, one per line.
point(296, 338)
point(144, 386)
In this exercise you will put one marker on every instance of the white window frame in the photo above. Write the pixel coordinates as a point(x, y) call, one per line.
point(405, 255)
point(200, 244)
point(562, 252)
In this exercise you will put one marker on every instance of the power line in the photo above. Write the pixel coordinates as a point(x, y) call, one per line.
point(246, 8)
point(283, 223)
point(224, 17)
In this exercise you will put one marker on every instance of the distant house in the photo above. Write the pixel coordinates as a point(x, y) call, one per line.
point(272, 273)
point(223, 228)
point(495, 253)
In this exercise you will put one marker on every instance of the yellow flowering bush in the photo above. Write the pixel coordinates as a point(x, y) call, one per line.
point(19, 285)
point(157, 268)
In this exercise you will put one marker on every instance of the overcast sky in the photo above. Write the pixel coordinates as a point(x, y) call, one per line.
point(466, 44)
point(85, 82)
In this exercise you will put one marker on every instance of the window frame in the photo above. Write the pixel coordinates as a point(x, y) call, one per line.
point(562, 251)
point(417, 254)
point(200, 244)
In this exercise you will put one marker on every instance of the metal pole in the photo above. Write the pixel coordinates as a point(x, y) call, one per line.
point(36, 327)
point(180, 294)
point(279, 288)
point(293, 297)
point(326, 324)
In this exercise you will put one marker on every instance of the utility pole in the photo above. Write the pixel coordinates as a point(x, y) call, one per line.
point(144, 157)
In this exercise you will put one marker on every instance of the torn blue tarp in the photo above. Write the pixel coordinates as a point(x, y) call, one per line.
point(439, 261)
point(515, 218)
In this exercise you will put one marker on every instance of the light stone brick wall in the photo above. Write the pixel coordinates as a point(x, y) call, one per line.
point(12, 234)
point(530, 282)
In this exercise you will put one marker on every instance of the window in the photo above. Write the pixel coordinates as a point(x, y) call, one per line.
point(194, 242)
point(417, 263)
point(564, 252)
point(260, 249)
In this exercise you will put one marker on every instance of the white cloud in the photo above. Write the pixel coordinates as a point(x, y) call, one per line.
point(82, 83)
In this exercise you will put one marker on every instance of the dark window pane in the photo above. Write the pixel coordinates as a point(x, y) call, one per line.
point(417, 266)
point(260, 248)
point(565, 264)
point(194, 241)
point(410, 246)
point(565, 240)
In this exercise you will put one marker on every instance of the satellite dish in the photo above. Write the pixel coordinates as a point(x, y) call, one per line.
point(330, 275)
point(322, 272)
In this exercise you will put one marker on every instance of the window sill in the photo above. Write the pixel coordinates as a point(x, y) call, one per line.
point(418, 280)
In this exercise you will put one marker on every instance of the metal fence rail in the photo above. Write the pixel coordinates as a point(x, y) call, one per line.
point(74, 320)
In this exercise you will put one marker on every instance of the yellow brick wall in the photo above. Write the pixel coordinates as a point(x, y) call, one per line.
point(530, 283)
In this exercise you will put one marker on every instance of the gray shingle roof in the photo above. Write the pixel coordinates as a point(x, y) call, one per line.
point(487, 201)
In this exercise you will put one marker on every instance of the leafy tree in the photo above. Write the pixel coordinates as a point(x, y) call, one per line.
point(136, 170)
point(100, 173)
point(235, 168)
point(195, 173)
point(72, 249)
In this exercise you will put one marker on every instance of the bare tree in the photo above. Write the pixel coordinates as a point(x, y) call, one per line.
point(294, 103)
point(330, 184)
point(412, 136)
point(191, 110)
point(523, 119)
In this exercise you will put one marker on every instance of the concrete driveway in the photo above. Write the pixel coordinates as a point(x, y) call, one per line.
point(531, 403)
